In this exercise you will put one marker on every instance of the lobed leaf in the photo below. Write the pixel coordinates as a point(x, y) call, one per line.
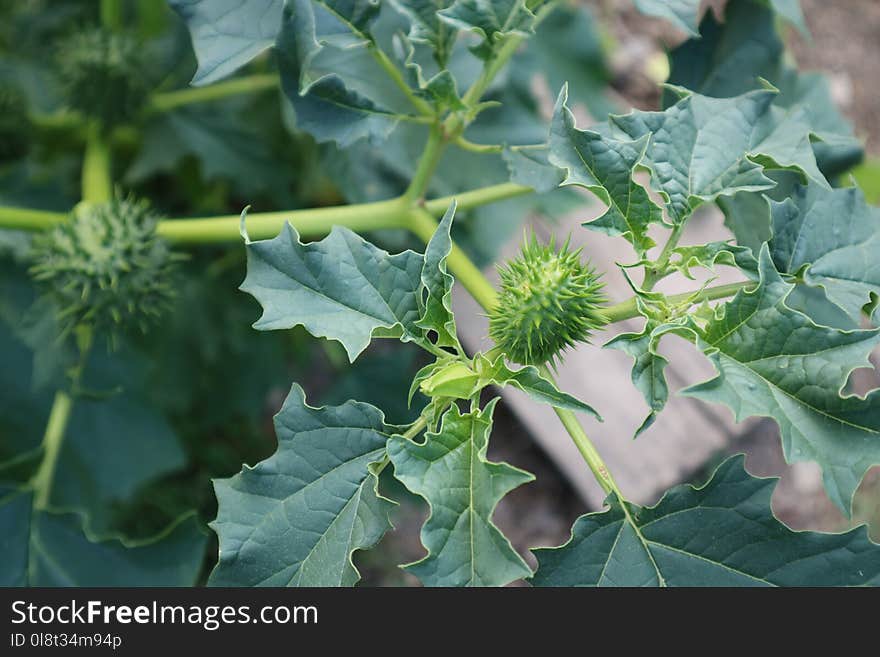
point(605, 167)
point(723, 534)
point(426, 25)
point(833, 235)
point(702, 148)
point(648, 371)
point(227, 34)
point(438, 282)
point(296, 518)
point(451, 472)
point(776, 362)
point(529, 380)
point(49, 549)
point(342, 288)
point(491, 19)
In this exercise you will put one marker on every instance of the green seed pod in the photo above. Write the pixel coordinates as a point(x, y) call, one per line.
point(15, 127)
point(549, 301)
point(454, 380)
point(106, 268)
point(103, 75)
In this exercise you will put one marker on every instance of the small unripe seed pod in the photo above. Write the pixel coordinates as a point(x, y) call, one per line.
point(103, 75)
point(549, 301)
point(105, 267)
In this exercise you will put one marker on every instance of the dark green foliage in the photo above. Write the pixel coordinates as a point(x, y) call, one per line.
point(103, 75)
point(15, 127)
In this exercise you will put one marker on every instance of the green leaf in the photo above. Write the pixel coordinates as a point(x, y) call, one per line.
point(226, 146)
point(723, 534)
point(730, 58)
point(342, 288)
point(113, 447)
point(326, 107)
point(296, 518)
point(791, 11)
point(531, 166)
point(605, 167)
point(227, 34)
point(681, 13)
point(702, 148)
point(712, 254)
point(834, 236)
point(530, 381)
point(775, 362)
point(648, 372)
point(451, 472)
point(427, 27)
point(685, 13)
point(491, 19)
point(438, 282)
point(48, 549)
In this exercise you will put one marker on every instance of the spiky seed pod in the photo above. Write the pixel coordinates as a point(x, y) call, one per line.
point(106, 268)
point(549, 301)
point(15, 127)
point(103, 75)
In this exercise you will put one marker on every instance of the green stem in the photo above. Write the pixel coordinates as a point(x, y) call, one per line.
point(97, 184)
point(477, 197)
point(427, 165)
point(585, 447)
point(27, 219)
point(111, 14)
point(466, 144)
point(417, 427)
point(629, 309)
point(310, 223)
point(659, 270)
point(250, 84)
point(422, 106)
point(56, 427)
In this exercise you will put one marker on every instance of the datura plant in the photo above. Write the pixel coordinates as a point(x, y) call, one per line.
point(409, 122)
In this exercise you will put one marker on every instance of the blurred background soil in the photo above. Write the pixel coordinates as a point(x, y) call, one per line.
point(541, 513)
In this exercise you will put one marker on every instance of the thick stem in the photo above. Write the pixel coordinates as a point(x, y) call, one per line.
point(477, 197)
point(26, 219)
point(111, 14)
point(427, 165)
point(629, 309)
point(56, 427)
point(310, 223)
point(250, 84)
point(97, 184)
point(585, 447)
